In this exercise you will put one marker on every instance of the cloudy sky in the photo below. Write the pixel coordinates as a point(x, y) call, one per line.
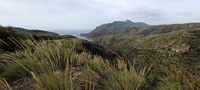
point(87, 14)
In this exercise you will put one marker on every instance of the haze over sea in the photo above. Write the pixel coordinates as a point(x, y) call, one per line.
point(75, 33)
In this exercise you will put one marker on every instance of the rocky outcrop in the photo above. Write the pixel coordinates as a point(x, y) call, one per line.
point(183, 50)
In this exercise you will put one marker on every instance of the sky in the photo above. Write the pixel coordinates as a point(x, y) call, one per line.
point(88, 14)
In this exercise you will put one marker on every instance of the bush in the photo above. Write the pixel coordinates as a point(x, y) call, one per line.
point(7, 44)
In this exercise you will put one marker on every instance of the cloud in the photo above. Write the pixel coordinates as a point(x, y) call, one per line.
point(87, 14)
point(145, 14)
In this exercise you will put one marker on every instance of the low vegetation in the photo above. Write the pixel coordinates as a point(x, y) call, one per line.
point(177, 48)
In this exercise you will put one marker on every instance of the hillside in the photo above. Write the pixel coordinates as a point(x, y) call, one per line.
point(174, 47)
point(158, 29)
point(27, 32)
point(117, 27)
point(6, 33)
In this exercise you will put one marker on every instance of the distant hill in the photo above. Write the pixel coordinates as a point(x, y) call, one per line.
point(117, 27)
point(28, 32)
point(158, 29)
point(21, 33)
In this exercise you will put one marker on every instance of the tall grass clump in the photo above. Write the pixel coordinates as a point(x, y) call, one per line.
point(178, 79)
point(125, 76)
point(44, 61)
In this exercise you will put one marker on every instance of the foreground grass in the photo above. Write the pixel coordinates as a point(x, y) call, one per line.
point(56, 66)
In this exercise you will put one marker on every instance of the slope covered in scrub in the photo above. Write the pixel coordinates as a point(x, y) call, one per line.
point(177, 47)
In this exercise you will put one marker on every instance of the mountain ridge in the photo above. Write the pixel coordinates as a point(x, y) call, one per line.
point(114, 28)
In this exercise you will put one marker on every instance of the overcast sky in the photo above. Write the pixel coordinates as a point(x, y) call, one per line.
point(87, 14)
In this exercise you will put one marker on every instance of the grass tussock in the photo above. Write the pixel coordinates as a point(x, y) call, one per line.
point(179, 79)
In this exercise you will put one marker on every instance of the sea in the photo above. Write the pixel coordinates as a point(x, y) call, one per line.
point(75, 33)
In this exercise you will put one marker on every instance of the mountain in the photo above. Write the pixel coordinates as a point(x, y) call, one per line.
point(28, 32)
point(167, 45)
point(117, 27)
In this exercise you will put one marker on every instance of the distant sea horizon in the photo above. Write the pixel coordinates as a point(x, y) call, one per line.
point(75, 33)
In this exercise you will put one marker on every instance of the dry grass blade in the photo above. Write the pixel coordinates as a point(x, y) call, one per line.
point(86, 85)
point(4, 42)
point(4, 85)
point(106, 64)
point(90, 84)
point(191, 81)
point(67, 75)
point(16, 42)
point(115, 76)
point(37, 80)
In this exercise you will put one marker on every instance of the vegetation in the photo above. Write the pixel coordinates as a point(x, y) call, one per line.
point(60, 67)
point(179, 48)
point(167, 28)
point(12, 33)
point(5, 34)
point(27, 33)
point(157, 60)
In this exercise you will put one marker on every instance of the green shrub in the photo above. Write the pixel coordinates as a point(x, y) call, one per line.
point(14, 71)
